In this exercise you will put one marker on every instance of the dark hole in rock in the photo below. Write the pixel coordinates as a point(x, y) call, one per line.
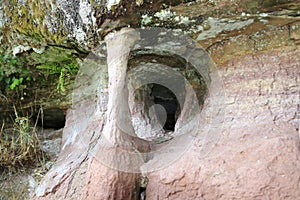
point(142, 195)
point(164, 84)
point(160, 101)
point(166, 98)
point(51, 118)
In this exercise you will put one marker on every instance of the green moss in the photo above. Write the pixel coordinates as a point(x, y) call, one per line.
point(28, 20)
point(52, 55)
point(56, 61)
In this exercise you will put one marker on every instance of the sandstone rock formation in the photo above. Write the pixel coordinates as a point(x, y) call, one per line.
point(242, 141)
point(257, 155)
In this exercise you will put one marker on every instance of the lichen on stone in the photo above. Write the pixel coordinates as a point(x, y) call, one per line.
point(112, 3)
point(216, 26)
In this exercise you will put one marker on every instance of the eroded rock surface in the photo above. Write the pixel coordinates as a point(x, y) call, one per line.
point(258, 154)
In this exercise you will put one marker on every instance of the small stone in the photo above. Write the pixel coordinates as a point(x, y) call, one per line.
point(139, 2)
point(200, 28)
point(206, 26)
point(263, 15)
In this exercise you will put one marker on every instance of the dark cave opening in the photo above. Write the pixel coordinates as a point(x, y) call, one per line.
point(52, 118)
point(167, 92)
point(142, 193)
point(166, 98)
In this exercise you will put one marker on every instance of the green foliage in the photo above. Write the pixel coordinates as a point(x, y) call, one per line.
point(57, 68)
point(56, 61)
point(17, 73)
point(64, 70)
point(61, 80)
point(13, 73)
point(15, 83)
point(52, 56)
point(9, 65)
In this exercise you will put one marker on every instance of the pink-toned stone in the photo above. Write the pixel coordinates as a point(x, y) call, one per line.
point(256, 157)
point(258, 154)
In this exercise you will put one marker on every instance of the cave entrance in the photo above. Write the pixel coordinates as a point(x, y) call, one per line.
point(165, 93)
point(169, 106)
point(154, 109)
point(51, 118)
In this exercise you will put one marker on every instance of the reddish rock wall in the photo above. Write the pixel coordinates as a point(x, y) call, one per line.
point(258, 153)
point(254, 133)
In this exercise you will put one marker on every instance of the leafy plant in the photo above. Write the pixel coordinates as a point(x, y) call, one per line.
point(13, 73)
point(9, 65)
point(64, 70)
point(15, 83)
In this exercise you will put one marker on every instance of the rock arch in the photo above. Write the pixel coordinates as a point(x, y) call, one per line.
point(99, 141)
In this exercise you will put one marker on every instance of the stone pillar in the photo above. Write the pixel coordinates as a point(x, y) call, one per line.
point(114, 170)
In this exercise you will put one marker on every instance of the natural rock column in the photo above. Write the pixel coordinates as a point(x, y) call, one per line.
point(113, 171)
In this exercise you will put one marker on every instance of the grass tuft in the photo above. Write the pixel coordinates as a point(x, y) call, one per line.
point(19, 145)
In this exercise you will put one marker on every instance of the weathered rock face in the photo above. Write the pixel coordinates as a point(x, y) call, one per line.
point(55, 33)
point(253, 129)
point(258, 154)
point(101, 129)
point(81, 24)
point(116, 148)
